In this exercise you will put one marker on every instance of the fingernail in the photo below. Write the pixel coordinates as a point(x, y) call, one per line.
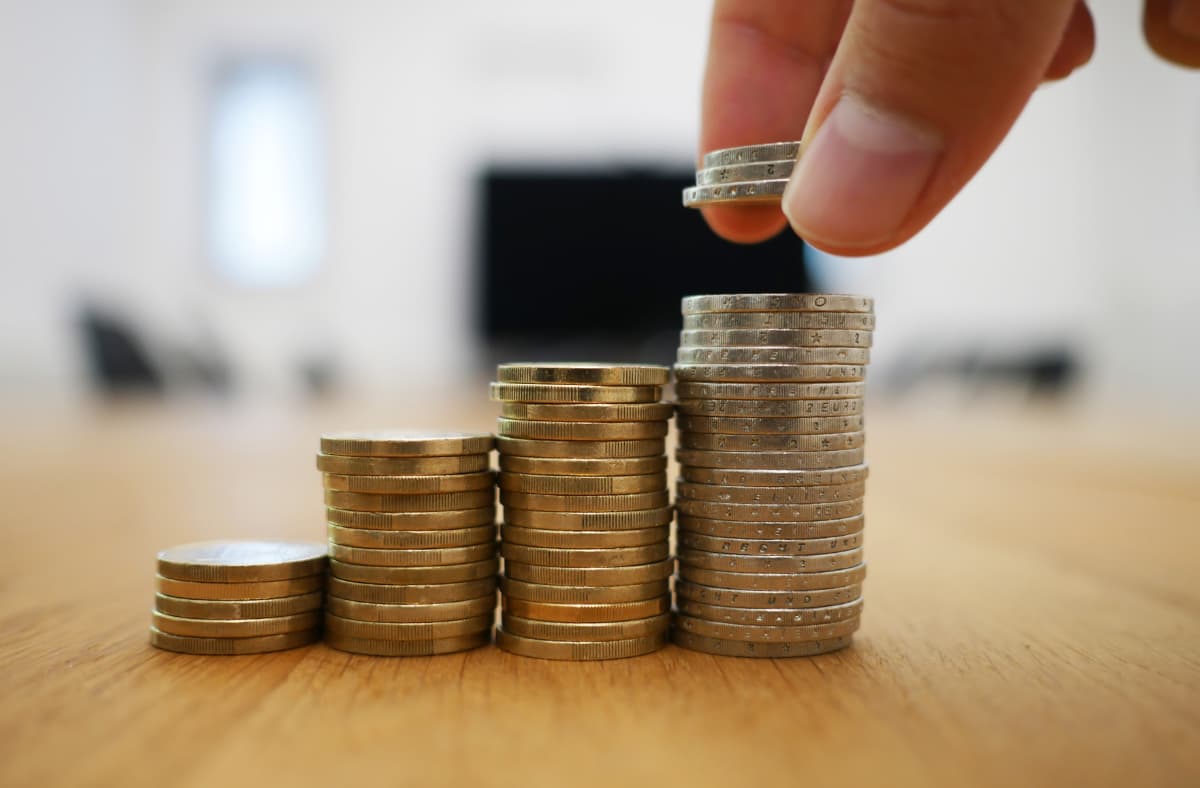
point(859, 177)
point(1184, 17)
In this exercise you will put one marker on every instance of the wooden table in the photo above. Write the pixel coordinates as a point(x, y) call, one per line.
point(1033, 617)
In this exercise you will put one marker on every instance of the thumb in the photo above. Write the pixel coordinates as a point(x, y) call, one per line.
point(919, 94)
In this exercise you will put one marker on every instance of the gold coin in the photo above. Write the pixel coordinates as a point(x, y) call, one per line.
point(739, 648)
point(772, 355)
point(583, 595)
point(744, 154)
point(741, 529)
point(242, 561)
point(411, 614)
point(774, 302)
point(613, 611)
point(760, 581)
point(429, 594)
point(812, 334)
point(728, 425)
point(756, 372)
point(581, 449)
point(379, 485)
point(585, 631)
point(585, 372)
point(827, 331)
point(399, 557)
point(770, 564)
point(784, 512)
point(770, 390)
point(646, 411)
point(407, 648)
point(231, 646)
point(235, 628)
point(391, 630)
point(767, 634)
point(767, 478)
point(583, 485)
point(579, 651)
point(587, 557)
point(412, 521)
point(237, 609)
point(585, 503)
point(398, 443)
point(769, 547)
point(402, 466)
point(414, 575)
point(765, 461)
point(771, 616)
point(581, 430)
point(589, 576)
point(771, 409)
point(728, 493)
point(267, 589)
point(588, 521)
point(583, 540)
point(563, 393)
point(706, 441)
point(433, 502)
point(404, 540)
point(574, 466)
point(756, 600)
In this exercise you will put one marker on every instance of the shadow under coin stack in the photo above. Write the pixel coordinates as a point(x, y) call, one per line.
point(412, 542)
point(585, 537)
point(772, 473)
point(238, 597)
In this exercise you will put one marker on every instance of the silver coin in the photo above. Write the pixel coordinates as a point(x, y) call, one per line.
point(770, 616)
point(769, 478)
point(786, 329)
point(755, 171)
point(742, 648)
point(745, 154)
point(764, 191)
point(777, 302)
point(769, 408)
point(781, 513)
point(744, 529)
point(750, 373)
point(734, 425)
point(764, 581)
point(776, 600)
point(769, 496)
point(770, 390)
point(708, 441)
point(772, 355)
point(770, 564)
point(762, 460)
point(766, 634)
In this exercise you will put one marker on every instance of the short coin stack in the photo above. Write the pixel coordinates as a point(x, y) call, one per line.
point(772, 472)
point(747, 174)
point(585, 537)
point(238, 597)
point(412, 541)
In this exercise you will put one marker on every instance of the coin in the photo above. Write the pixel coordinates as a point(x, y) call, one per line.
point(726, 562)
point(575, 466)
point(761, 581)
point(781, 512)
point(741, 529)
point(581, 430)
point(583, 485)
point(589, 576)
point(733, 173)
point(739, 648)
point(773, 409)
point(765, 547)
point(427, 594)
point(414, 575)
point(267, 589)
point(744, 154)
point(579, 651)
point(777, 302)
point(391, 630)
point(585, 631)
point(773, 355)
point(444, 611)
point(581, 448)
point(733, 425)
point(444, 537)
point(708, 441)
point(402, 466)
point(760, 191)
point(613, 611)
point(585, 557)
point(412, 521)
point(242, 561)
point(726, 493)
point(235, 628)
point(237, 609)
point(767, 634)
point(583, 595)
point(762, 460)
point(540, 392)
point(403, 557)
point(770, 616)
point(585, 372)
point(814, 330)
point(399, 443)
point(407, 648)
point(230, 646)
point(686, 390)
point(769, 478)
point(432, 502)
point(443, 483)
point(648, 411)
point(782, 600)
point(583, 540)
point(588, 521)
point(627, 502)
point(755, 372)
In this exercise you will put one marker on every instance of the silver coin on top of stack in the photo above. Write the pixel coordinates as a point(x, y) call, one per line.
point(412, 541)
point(772, 472)
point(749, 174)
point(241, 597)
point(586, 510)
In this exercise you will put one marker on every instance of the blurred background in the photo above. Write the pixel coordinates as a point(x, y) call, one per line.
point(271, 200)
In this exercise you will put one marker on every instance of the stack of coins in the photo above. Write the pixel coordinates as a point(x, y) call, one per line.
point(772, 473)
point(412, 541)
point(238, 597)
point(747, 174)
point(585, 537)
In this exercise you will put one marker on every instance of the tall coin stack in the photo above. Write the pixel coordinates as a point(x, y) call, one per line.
point(585, 537)
point(412, 541)
point(772, 473)
point(238, 597)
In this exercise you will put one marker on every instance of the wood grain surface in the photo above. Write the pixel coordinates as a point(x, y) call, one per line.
point(1032, 618)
